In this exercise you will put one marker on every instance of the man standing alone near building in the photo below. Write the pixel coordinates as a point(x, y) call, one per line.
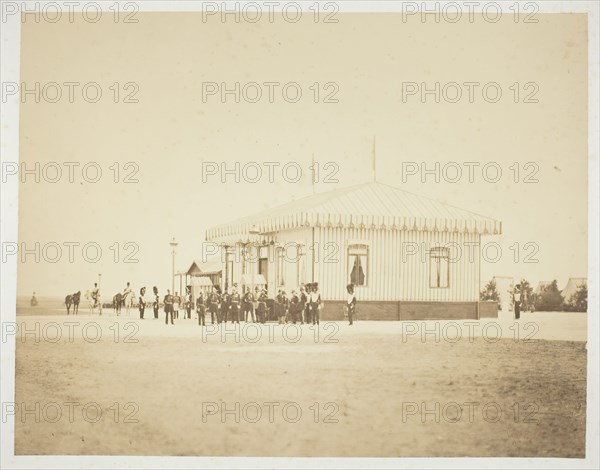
point(351, 303)
point(517, 299)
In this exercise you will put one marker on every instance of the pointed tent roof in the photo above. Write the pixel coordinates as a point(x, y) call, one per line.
point(573, 284)
point(368, 205)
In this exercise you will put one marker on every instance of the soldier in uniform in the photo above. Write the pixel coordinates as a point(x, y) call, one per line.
point(315, 303)
point(261, 310)
point(201, 309)
point(96, 295)
point(142, 302)
point(517, 299)
point(278, 306)
point(234, 308)
point(189, 302)
point(307, 311)
point(176, 301)
point(156, 304)
point(302, 304)
point(248, 305)
point(213, 304)
point(168, 300)
point(351, 303)
point(294, 300)
point(225, 305)
point(285, 307)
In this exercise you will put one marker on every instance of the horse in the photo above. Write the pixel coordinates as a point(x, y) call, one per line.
point(92, 303)
point(128, 301)
point(118, 301)
point(76, 297)
point(68, 303)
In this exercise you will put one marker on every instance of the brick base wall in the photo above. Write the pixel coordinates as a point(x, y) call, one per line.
point(373, 310)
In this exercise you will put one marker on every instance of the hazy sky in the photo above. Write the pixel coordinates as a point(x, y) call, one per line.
point(172, 130)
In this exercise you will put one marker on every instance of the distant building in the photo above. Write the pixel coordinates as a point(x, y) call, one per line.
point(573, 284)
point(209, 269)
point(409, 257)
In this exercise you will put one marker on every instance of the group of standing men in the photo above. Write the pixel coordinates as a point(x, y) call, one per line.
point(233, 306)
point(302, 307)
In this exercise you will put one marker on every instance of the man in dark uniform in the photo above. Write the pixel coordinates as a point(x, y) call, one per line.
point(168, 300)
point(307, 311)
point(234, 308)
point(213, 305)
point(261, 310)
point(302, 303)
point(315, 303)
point(142, 302)
point(278, 306)
point(156, 303)
point(286, 307)
point(517, 299)
point(200, 309)
point(248, 305)
point(294, 300)
point(189, 302)
point(225, 305)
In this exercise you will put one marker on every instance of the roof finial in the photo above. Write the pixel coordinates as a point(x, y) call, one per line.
point(374, 162)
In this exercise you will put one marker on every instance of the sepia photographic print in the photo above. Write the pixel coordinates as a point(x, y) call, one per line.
point(299, 234)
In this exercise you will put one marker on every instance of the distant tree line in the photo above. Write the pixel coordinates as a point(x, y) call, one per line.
point(549, 299)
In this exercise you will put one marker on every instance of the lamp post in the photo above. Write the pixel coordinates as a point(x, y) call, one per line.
point(173, 244)
point(254, 231)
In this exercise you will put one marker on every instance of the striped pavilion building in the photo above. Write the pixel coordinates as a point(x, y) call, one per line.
point(409, 257)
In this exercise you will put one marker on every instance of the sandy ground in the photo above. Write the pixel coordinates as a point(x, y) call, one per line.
point(372, 389)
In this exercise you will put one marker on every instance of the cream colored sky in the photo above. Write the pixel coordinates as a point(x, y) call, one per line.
point(171, 131)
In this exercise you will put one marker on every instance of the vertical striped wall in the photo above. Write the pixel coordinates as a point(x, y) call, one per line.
point(393, 273)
